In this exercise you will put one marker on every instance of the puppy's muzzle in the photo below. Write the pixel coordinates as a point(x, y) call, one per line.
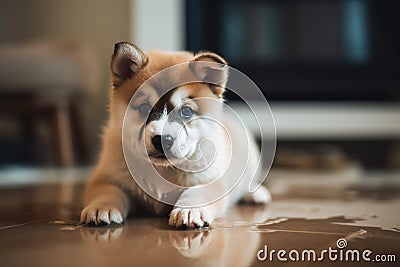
point(162, 143)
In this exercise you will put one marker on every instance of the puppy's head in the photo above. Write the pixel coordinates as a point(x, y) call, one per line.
point(172, 100)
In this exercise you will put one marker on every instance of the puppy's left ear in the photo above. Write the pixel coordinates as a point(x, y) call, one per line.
point(212, 69)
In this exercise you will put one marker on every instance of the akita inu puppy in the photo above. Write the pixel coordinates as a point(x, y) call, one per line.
point(171, 128)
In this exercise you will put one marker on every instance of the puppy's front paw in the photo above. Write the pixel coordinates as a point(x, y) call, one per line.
point(101, 215)
point(190, 218)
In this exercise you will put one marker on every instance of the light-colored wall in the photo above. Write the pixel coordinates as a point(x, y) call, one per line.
point(158, 24)
point(98, 23)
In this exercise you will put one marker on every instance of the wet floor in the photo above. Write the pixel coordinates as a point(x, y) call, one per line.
point(38, 227)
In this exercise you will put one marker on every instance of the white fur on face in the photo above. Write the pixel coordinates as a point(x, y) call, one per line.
point(188, 134)
point(184, 132)
point(185, 136)
point(179, 97)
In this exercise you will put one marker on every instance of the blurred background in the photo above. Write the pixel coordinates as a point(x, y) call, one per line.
point(328, 68)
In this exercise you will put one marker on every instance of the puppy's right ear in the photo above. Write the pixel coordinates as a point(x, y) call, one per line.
point(127, 60)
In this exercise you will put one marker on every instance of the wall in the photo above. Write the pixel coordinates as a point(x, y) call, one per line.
point(158, 24)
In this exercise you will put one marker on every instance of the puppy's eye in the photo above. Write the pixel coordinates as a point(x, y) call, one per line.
point(144, 109)
point(186, 112)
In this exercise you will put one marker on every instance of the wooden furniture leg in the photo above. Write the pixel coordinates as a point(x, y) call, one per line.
point(62, 134)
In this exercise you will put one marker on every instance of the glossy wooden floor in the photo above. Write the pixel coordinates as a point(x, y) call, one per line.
point(39, 227)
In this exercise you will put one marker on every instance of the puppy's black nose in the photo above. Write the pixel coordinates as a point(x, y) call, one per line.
point(167, 141)
point(162, 142)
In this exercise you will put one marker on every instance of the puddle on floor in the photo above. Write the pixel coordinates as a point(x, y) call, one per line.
point(365, 212)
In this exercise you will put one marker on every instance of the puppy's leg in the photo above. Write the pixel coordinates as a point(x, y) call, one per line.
point(105, 203)
point(196, 217)
point(260, 196)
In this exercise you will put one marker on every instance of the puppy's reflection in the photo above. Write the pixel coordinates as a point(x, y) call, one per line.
point(230, 243)
point(150, 242)
point(101, 234)
point(191, 244)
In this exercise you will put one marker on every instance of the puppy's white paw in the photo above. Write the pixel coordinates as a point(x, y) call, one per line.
point(261, 196)
point(190, 218)
point(101, 215)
